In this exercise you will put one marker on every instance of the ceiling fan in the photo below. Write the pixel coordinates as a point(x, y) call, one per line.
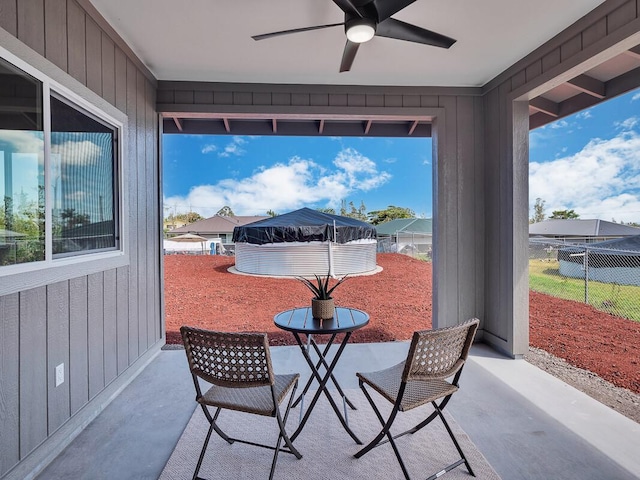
point(364, 19)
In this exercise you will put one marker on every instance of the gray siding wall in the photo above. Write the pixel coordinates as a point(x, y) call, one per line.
point(101, 322)
point(603, 33)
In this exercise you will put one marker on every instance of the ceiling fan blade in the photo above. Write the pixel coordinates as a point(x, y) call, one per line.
point(264, 36)
point(348, 7)
point(392, 28)
point(386, 8)
point(349, 54)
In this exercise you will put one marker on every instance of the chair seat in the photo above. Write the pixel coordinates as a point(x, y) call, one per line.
point(417, 392)
point(256, 400)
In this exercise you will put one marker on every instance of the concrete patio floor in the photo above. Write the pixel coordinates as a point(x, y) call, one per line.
point(527, 423)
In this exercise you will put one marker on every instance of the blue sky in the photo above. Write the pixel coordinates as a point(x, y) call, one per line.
point(589, 162)
point(256, 174)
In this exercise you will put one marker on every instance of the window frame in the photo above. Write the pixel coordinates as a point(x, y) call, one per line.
point(58, 83)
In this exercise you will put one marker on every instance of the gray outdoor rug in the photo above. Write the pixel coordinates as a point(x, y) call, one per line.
point(327, 450)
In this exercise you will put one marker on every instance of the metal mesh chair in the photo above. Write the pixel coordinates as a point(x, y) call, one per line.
point(239, 367)
point(434, 356)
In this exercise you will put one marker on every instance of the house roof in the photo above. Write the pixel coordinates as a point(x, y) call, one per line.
point(216, 225)
point(581, 228)
point(408, 225)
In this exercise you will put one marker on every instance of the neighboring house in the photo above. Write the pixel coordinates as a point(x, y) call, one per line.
point(581, 231)
point(217, 226)
point(169, 225)
point(405, 235)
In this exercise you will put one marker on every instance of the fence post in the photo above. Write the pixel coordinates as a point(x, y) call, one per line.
point(586, 275)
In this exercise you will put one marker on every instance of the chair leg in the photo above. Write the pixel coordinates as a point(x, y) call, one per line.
point(385, 432)
point(212, 421)
point(204, 449)
point(455, 442)
point(282, 422)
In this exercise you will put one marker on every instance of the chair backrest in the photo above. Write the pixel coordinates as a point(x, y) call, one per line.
point(439, 353)
point(228, 359)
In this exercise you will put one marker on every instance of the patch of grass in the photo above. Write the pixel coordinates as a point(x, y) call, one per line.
point(620, 300)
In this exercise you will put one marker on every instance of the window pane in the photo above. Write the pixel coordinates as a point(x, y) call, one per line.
point(83, 180)
point(21, 167)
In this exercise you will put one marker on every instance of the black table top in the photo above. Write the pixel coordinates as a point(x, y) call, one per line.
point(300, 320)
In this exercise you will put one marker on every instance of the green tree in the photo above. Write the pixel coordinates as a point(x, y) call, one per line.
point(538, 211)
point(392, 212)
point(331, 211)
point(226, 212)
point(271, 213)
point(564, 214)
point(188, 217)
point(351, 211)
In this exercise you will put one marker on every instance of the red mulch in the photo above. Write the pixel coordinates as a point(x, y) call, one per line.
point(199, 291)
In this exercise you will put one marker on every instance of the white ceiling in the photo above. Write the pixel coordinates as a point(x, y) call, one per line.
point(210, 40)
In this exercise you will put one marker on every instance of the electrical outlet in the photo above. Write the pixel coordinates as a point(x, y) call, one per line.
point(59, 374)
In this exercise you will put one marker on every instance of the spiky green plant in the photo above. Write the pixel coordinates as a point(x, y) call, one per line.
point(320, 288)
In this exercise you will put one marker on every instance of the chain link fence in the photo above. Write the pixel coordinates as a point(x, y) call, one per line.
point(606, 278)
point(416, 245)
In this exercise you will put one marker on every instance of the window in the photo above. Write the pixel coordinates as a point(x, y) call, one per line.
point(83, 181)
point(58, 173)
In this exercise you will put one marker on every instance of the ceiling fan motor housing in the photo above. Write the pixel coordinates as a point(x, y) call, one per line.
point(359, 30)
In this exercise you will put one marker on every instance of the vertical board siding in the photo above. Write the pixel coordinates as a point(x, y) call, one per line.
point(467, 181)
point(122, 318)
point(9, 379)
point(9, 20)
point(55, 15)
point(95, 332)
point(96, 325)
point(151, 258)
point(78, 346)
point(76, 42)
point(58, 354)
point(94, 56)
point(132, 193)
point(33, 369)
point(110, 327)
point(31, 26)
point(141, 214)
point(108, 68)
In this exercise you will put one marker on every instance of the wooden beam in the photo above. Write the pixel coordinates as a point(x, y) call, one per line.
point(321, 127)
point(227, 126)
point(413, 127)
point(367, 127)
point(634, 52)
point(624, 83)
point(588, 85)
point(544, 105)
point(178, 123)
point(274, 125)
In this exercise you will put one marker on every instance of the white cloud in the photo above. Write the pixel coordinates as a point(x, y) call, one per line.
point(234, 148)
point(77, 152)
point(286, 186)
point(584, 114)
point(628, 124)
point(635, 97)
point(209, 148)
point(559, 124)
point(23, 140)
point(601, 181)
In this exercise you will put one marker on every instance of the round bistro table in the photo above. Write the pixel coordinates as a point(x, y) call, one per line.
point(300, 321)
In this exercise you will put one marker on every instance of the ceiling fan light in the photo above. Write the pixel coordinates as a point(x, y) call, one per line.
point(361, 31)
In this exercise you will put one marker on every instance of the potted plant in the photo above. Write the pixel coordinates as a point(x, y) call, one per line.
point(322, 305)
